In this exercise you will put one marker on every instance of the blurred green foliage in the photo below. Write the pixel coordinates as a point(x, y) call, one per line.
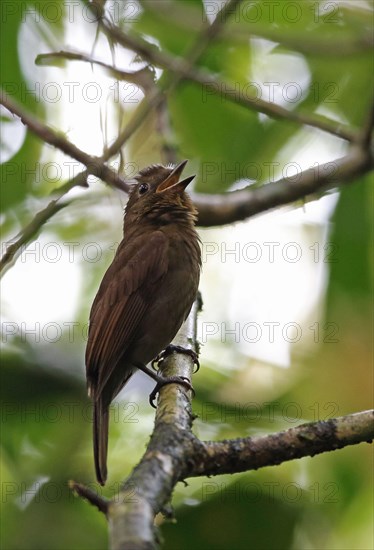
point(324, 502)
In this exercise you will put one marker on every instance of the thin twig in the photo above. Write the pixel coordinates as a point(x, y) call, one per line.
point(14, 247)
point(305, 42)
point(31, 230)
point(94, 165)
point(226, 90)
point(140, 78)
point(85, 492)
point(157, 95)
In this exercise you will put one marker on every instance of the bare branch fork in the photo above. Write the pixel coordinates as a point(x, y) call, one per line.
point(175, 454)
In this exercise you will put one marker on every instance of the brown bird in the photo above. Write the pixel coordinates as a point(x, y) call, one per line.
point(145, 295)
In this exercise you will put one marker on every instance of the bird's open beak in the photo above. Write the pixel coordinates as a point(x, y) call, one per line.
point(172, 181)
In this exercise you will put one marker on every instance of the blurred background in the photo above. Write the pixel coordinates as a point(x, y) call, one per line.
point(286, 328)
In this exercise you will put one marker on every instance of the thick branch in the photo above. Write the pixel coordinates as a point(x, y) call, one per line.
point(241, 455)
point(174, 453)
point(150, 485)
point(239, 205)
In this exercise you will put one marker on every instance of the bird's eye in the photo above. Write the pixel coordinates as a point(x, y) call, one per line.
point(143, 188)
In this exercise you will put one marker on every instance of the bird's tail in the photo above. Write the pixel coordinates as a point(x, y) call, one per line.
point(100, 439)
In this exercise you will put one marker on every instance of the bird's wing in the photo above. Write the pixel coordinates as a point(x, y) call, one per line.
point(120, 304)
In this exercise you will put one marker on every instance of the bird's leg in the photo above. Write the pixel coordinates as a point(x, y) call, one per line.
point(161, 381)
point(175, 349)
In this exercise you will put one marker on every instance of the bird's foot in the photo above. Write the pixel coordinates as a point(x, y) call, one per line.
point(175, 349)
point(162, 381)
point(170, 380)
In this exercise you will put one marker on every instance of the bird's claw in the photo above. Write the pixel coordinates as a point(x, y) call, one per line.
point(171, 380)
point(175, 349)
point(158, 359)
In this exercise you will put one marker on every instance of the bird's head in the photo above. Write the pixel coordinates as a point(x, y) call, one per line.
point(159, 196)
